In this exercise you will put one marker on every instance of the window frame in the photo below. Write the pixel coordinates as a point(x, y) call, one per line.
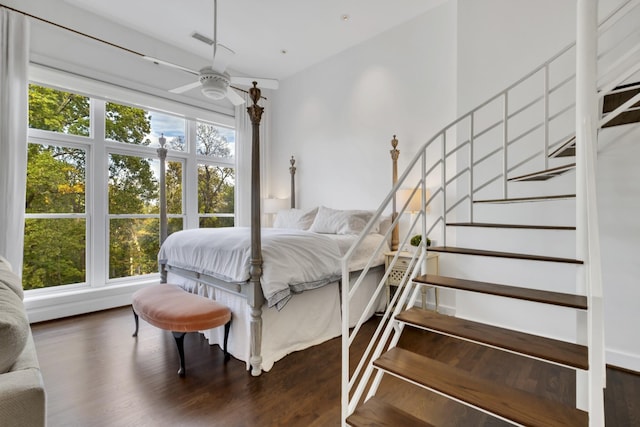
point(98, 150)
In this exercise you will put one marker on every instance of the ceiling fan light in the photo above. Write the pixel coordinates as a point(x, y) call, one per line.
point(216, 91)
point(214, 85)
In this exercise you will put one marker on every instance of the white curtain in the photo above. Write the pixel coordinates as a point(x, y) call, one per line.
point(243, 153)
point(14, 114)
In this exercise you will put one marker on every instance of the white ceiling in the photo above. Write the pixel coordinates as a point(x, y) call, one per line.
point(260, 30)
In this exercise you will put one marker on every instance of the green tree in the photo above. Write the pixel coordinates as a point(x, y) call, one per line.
point(174, 180)
point(58, 111)
point(55, 180)
point(132, 190)
point(55, 248)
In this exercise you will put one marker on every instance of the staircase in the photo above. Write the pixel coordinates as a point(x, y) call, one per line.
point(525, 170)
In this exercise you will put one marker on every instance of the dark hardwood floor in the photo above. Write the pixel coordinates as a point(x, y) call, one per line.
point(96, 374)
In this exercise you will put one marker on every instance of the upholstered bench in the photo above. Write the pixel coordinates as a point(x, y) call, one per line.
point(171, 308)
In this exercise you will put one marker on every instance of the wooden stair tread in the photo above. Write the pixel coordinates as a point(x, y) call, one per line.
point(504, 401)
point(378, 413)
point(568, 149)
point(512, 255)
point(527, 199)
point(526, 294)
point(545, 174)
point(616, 98)
point(619, 96)
point(561, 352)
point(524, 226)
point(628, 117)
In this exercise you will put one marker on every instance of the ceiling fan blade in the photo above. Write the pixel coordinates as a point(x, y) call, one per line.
point(185, 88)
point(222, 58)
point(170, 64)
point(234, 97)
point(262, 83)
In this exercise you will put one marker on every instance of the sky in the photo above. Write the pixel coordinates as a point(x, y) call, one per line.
point(172, 126)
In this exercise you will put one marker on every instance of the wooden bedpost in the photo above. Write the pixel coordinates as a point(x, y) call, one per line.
point(292, 170)
point(162, 155)
point(256, 298)
point(394, 157)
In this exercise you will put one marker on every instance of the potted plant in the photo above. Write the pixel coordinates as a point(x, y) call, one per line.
point(417, 239)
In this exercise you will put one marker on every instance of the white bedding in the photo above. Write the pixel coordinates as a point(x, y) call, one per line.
point(308, 318)
point(293, 260)
point(365, 249)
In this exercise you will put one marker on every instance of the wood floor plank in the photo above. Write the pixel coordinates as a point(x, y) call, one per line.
point(561, 352)
point(622, 398)
point(535, 295)
point(378, 413)
point(513, 404)
point(96, 375)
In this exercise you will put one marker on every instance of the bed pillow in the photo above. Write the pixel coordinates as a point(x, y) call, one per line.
point(384, 224)
point(297, 219)
point(334, 221)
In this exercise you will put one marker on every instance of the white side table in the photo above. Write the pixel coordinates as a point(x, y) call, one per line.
point(401, 266)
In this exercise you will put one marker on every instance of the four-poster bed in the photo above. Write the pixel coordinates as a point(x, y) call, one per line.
point(281, 284)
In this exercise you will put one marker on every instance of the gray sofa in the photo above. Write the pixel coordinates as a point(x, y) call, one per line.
point(22, 395)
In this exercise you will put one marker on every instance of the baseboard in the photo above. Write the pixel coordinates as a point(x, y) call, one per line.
point(442, 309)
point(626, 361)
point(50, 306)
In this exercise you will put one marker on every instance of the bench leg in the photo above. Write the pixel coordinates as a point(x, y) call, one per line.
point(135, 317)
point(227, 326)
point(179, 337)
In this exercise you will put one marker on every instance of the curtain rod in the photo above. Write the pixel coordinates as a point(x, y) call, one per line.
point(55, 24)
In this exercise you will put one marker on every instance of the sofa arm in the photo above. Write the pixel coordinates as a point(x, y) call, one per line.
point(22, 399)
point(22, 395)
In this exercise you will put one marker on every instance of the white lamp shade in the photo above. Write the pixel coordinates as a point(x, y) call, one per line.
point(271, 206)
point(415, 202)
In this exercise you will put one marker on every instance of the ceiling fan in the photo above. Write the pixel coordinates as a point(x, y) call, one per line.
point(213, 80)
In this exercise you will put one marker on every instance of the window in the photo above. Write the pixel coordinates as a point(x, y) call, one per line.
point(93, 176)
point(216, 181)
point(133, 216)
point(56, 221)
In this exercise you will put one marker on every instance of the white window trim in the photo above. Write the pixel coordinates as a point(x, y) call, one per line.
point(99, 292)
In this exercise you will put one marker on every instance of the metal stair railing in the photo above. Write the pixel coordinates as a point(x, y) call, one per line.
point(471, 135)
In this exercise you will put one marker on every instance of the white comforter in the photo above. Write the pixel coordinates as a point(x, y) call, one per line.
point(294, 260)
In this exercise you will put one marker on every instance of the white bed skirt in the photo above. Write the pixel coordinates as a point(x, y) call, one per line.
point(308, 319)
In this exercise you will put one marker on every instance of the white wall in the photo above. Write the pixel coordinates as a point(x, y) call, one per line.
point(339, 117)
point(499, 41)
point(619, 203)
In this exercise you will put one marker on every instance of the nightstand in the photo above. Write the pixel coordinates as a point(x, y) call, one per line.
point(401, 266)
